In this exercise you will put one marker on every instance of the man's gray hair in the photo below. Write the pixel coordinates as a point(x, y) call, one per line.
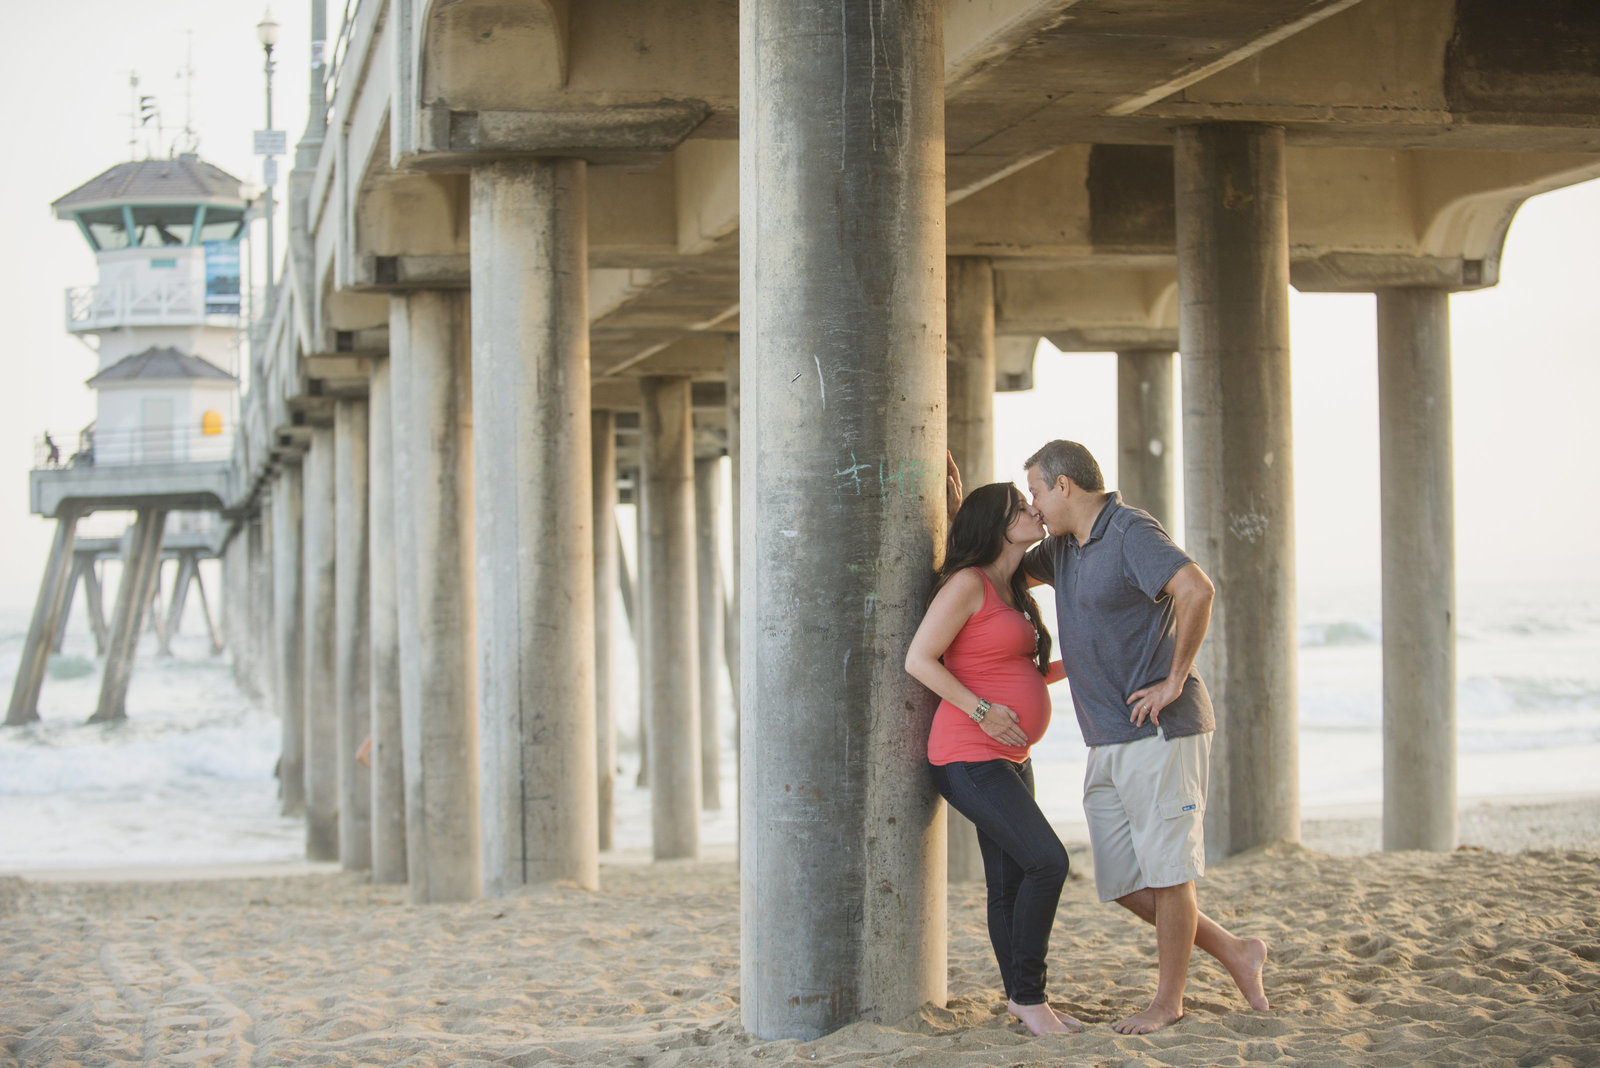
point(1071, 459)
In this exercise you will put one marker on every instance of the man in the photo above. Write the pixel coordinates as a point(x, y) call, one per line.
point(1131, 612)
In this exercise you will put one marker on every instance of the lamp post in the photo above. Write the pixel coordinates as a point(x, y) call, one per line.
point(267, 34)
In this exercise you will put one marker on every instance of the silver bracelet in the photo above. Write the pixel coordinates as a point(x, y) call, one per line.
point(982, 710)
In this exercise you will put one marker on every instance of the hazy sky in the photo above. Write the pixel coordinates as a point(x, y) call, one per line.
point(1526, 356)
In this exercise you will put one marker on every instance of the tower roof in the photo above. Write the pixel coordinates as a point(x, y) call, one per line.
point(159, 363)
point(188, 179)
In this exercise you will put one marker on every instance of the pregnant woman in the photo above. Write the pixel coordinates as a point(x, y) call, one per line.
point(983, 648)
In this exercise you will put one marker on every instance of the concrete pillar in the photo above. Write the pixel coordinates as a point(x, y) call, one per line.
point(603, 468)
point(235, 561)
point(671, 635)
point(1233, 288)
point(353, 639)
point(969, 368)
point(1146, 464)
point(641, 599)
point(94, 601)
point(534, 506)
point(183, 576)
point(969, 389)
point(48, 609)
point(708, 584)
point(139, 570)
point(260, 620)
point(430, 352)
point(388, 771)
point(731, 630)
point(80, 564)
point(157, 620)
point(842, 846)
point(288, 602)
point(206, 614)
point(319, 639)
point(1419, 570)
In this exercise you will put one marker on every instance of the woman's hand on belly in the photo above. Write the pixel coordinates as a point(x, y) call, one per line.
point(1002, 725)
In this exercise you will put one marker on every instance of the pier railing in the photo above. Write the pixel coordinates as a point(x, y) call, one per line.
point(174, 303)
point(120, 448)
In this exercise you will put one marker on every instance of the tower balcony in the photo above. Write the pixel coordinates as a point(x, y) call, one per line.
point(162, 303)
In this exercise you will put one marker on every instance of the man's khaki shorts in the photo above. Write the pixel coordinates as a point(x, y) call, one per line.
point(1145, 802)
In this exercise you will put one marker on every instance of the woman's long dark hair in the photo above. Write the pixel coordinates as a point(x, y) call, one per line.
point(977, 534)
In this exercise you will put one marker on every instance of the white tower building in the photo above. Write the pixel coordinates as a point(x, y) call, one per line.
point(165, 310)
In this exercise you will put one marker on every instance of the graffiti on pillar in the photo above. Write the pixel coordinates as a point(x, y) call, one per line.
point(883, 479)
point(1250, 526)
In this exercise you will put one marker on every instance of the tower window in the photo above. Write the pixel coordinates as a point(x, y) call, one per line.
point(163, 226)
point(105, 228)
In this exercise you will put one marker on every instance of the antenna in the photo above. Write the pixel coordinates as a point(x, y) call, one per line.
point(133, 114)
point(189, 140)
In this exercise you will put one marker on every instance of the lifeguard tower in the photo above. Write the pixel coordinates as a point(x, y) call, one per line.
point(164, 322)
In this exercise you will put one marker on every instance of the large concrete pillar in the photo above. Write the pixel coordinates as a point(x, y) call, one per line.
point(1419, 569)
point(139, 569)
point(969, 390)
point(319, 637)
point(288, 602)
point(383, 664)
point(671, 634)
point(534, 506)
point(969, 367)
point(353, 639)
point(708, 584)
point(430, 352)
point(603, 469)
point(48, 610)
point(1233, 324)
point(842, 848)
point(1146, 464)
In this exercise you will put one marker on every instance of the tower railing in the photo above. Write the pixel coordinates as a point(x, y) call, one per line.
point(136, 445)
point(163, 303)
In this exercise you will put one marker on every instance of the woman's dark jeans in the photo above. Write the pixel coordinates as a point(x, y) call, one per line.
point(1024, 863)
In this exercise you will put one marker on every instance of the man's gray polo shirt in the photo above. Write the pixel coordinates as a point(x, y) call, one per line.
point(1115, 627)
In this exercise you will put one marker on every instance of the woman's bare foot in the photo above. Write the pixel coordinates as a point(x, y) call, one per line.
point(1072, 1024)
point(1041, 1019)
point(1142, 1023)
point(1246, 971)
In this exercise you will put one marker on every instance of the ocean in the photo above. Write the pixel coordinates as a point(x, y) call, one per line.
point(188, 778)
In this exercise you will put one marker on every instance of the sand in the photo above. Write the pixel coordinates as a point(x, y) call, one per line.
point(1480, 956)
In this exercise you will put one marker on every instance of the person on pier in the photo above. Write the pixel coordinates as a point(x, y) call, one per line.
point(983, 648)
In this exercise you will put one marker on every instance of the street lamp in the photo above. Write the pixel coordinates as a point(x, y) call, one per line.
point(267, 34)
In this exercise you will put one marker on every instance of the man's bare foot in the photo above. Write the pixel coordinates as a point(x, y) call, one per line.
point(1246, 972)
point(1041, 1019)
point(1142, 1023)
